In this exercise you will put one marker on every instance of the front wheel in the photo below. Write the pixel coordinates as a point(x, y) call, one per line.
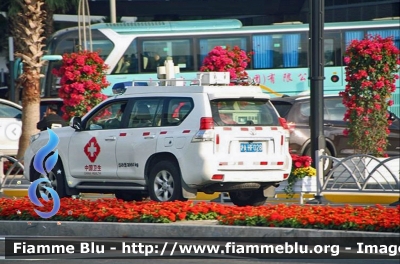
point(165, 182)
point(251, 197)
point(56, 182)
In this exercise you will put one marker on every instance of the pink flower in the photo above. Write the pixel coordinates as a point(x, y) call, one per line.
point(229, 60)
point(370, 76)
point(82, 79)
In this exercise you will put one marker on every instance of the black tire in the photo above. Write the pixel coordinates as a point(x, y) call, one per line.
point(129, 196)
point(165, 182)
point(57, 181)
point(328, 163)
point(244, 198)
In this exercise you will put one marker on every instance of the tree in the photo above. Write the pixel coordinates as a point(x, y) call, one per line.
point(27, 21)
point(29, 32)
point(14, 7)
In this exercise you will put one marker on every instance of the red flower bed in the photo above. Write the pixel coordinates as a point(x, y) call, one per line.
point(377, 218)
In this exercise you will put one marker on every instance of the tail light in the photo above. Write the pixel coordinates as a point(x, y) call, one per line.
point(217, 177)
point(206, 131)
point(206, 123)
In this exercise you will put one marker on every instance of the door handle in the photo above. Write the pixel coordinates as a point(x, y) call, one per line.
point(111, 138)
point(150, 137)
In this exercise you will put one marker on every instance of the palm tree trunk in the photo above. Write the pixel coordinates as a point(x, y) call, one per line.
point(29, 32)
point(30, 105)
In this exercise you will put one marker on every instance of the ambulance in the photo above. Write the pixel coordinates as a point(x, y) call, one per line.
point(171, 142)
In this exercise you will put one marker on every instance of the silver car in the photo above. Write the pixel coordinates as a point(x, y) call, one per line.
point(10, 127)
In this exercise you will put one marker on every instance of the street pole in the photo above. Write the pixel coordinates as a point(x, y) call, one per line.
point(317, 91)
point(113, 12)
point(11, 90)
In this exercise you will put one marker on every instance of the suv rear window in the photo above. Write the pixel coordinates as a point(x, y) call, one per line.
point(244, 112)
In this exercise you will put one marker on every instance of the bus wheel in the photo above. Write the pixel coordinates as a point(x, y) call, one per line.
point(251, 197)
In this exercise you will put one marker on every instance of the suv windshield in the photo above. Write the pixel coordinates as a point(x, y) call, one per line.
point(244, 112)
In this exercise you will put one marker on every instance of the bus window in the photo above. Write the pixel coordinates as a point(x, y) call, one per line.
point(156, 51)
point(69, 42)
point(207, 44)
point(280, 51)
point(384, 33)
point(350, 35)
point(128, 63)
point(329, 52)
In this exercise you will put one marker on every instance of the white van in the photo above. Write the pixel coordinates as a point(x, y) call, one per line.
point(170, 143)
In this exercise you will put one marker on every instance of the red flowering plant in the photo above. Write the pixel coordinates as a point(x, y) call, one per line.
point(82, 79)
point(372, 218)
point(370, 74)
point(10, 168)
point(233, 60)
point(301, 167)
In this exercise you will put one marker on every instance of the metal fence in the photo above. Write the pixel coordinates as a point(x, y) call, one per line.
point(11, 173)
point(363, 173)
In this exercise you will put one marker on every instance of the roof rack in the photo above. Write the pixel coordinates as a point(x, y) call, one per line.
point(203, 78)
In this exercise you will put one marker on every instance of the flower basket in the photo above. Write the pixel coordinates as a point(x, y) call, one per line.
point(301, 179)
point(306, 185)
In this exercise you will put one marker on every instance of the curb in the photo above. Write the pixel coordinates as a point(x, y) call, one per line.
point(24, 192)
point(355, 198)
point(189, 229)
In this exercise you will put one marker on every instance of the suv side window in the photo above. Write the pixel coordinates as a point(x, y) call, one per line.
point(146, 112)
point(176, 110)
point(335, 109)
point(108, 117)
point(305, 112)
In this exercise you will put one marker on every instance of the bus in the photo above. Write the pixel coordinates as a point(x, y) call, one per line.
point(279, 64)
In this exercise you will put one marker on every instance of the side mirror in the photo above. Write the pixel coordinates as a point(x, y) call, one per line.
point(76, 123)
point(392, 116)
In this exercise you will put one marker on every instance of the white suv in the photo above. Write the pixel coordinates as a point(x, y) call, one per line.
point(170, 143)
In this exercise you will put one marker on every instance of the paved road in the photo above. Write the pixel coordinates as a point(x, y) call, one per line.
point(208, 261)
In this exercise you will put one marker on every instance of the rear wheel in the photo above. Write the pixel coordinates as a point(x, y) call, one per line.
point(327, 163)
point(165, 182)
point(250, 197)
point(128, 196)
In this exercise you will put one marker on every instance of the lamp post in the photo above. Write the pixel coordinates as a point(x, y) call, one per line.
point(113, 12)
point(11, 69)
point(317, 90)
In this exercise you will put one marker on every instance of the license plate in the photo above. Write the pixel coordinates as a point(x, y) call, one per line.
point(251, 147)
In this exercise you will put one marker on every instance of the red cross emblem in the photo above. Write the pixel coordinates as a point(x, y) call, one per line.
point(92, 149)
